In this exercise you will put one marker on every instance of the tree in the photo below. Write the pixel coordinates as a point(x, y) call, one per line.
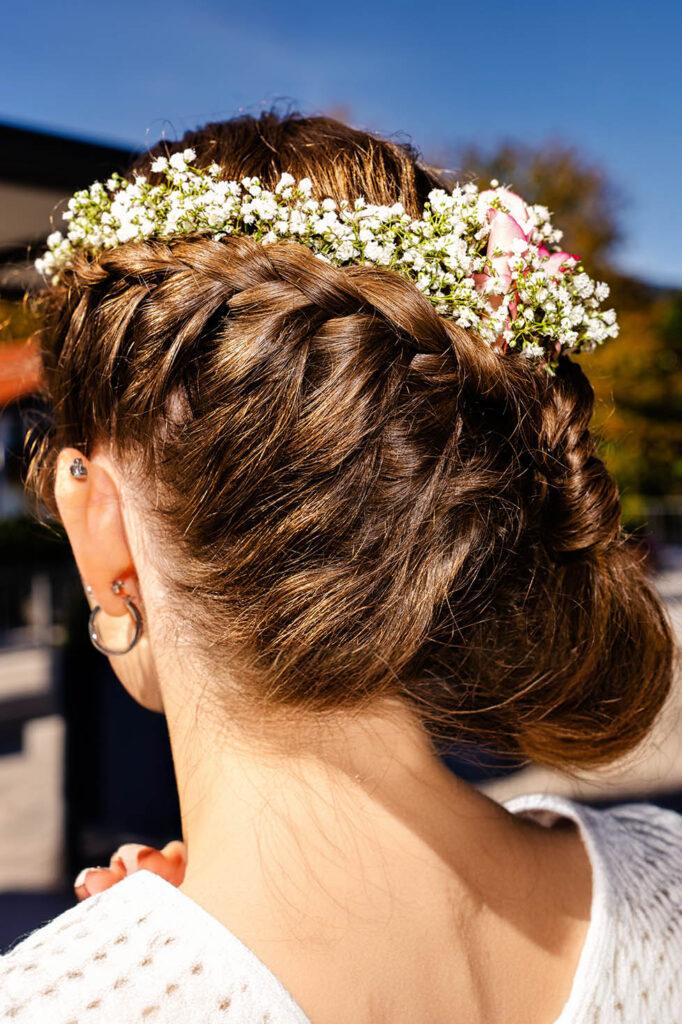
point(16, 320)
point(638, 384)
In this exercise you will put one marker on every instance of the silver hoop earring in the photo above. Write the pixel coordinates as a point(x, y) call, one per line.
point(133, 611)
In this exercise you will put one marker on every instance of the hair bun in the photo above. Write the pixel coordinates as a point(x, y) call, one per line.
point(357, 497)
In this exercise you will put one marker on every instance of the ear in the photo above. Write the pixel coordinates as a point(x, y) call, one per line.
point(90, 509)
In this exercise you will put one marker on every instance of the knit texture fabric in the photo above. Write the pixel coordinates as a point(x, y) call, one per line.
point(630, 967)
point(142, 951)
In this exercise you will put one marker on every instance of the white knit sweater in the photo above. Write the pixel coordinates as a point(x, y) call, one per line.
point(144, 952)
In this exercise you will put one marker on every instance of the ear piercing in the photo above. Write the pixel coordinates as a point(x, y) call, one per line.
point(78, 469)
point(117, 588)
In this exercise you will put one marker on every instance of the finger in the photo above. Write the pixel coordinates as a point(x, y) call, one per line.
point(126, 858)
point(171, 867)
point(175, 851)
point(91, 881)
point(132, 856)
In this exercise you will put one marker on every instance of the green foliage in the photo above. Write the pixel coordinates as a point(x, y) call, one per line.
point(17, 321)
point(638, 384)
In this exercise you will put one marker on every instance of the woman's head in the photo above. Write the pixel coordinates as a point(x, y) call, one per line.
point(348, 497)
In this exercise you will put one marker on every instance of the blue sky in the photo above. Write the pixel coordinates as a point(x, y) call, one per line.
point(604, 76)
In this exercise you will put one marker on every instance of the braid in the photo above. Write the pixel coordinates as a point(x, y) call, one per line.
point(360, 497)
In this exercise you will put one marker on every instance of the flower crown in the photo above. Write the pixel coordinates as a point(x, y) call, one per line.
point(484, 258)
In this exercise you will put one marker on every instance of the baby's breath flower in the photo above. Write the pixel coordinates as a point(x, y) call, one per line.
point(177, 161)
point(530, 306)
point(285, 182)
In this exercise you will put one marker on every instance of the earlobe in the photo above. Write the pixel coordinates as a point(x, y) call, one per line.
point(88, 500)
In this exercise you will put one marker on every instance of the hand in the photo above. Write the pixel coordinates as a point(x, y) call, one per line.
point(170, 863)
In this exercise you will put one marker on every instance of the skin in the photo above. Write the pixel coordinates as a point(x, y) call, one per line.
point(374, 883)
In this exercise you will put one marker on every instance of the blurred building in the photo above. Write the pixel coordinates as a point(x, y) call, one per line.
point(38, 173)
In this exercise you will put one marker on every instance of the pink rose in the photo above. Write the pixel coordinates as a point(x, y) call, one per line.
point(518, 210)
point(555, 260)
point(504, 229)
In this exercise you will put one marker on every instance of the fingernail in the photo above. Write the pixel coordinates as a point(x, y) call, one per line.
point(80, 879)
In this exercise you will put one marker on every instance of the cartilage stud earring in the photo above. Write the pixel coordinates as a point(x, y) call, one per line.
point(78, 469)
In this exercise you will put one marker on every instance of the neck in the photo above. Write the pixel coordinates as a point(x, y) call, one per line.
point(335, 815)
point(360, 870)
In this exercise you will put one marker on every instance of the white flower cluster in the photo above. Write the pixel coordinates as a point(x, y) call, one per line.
point(515, 297)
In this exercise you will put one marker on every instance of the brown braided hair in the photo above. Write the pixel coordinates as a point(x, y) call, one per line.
point(361, 498)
